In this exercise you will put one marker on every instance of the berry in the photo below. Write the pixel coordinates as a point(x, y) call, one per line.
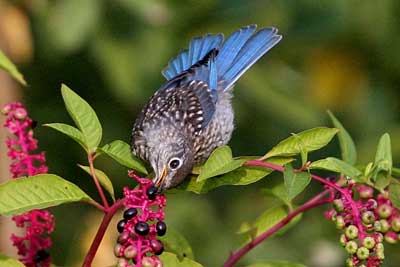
point(369, 242)
point(142, 228)
point(349, 263)
point(340, 222)
point(338, 205)
point(391, 237)
point(117, 250)
point(148, 262)
point(130, 252)
point(351, 247)
point(384, 211)
point(157, 246)
point(385, 226)
point(343, 240)
point(161, 228)
point(377, 226)
point(121, 225)
point(368, 217)
point(362, 253)
point(396, 224)
point(123, 237)
point(151, 192)
point(41, 255)
point(130, 213)
point(351, 232)
point(122, 262)
point(365, 191)
point(371, 204)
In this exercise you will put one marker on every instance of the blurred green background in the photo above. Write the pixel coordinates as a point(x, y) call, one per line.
point(338, 55)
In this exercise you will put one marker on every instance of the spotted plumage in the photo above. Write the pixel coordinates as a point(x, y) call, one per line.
point(191, 115)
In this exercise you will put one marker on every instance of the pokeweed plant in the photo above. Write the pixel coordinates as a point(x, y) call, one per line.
point(363, 200)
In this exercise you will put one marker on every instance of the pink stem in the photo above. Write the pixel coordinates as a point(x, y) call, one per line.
point(355, 211)
point(314, 202)
point(96, 181)
point(109, 213)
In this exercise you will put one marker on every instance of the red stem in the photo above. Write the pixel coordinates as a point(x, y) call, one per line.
point(355, 211)
point(96, 180)
point(314, 202)
point(109, 213)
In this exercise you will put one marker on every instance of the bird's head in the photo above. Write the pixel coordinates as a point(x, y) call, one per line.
point(171, 162)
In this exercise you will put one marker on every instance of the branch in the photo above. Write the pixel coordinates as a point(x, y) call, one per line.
point(109, 213)
point(314, 202)
point(91, 158)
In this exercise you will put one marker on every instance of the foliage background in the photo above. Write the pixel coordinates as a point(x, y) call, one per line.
point(339, 55)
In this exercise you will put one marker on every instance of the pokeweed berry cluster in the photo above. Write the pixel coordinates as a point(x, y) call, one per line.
point(380, 221)
point(143, 221)
point(34, 244)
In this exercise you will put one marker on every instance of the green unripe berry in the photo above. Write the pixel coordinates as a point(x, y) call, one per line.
point(362, 265)
point(130, 252)
point(378, 238)
point(380, 255)
point(379, 247)
point(343, 240)
point(384, 211)
point(396, 224)
point(340, 222)
point(377, 226)
point(351, 247)
point(368, 217)
point(338, 205)
point(369, 242)
point(362, 253)
point(385, 226)
point(351, 232)
point(349, 262)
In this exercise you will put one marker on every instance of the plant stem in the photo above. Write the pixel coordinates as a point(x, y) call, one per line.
point(314, 202)
point(355, 210)
point(109, 213)
point(91, 157)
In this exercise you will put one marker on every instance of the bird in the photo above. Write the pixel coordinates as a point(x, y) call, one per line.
point(191, 114)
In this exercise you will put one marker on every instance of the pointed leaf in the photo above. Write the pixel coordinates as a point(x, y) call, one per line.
point(171, 260)
point(277, 264)
point(308, 140)
point(6, 261)
point(103, 179)
point(279, 191)
point(219, 162)
point(176, 243)
point(70, 131)
point(295, 183)
point(242, 176)
point(383, 156)
point(347, 146)
point(84, 117)
point(269, 219)
point(9, 67)
point(38, 192)
point(339, 166)
point(121, 152)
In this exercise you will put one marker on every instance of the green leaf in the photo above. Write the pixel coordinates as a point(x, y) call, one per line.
point(242, 176)
point(347, 146)
point(337, 165)
point(308, 140)
point(10, 262)
point(84, 117)
point(382, 181)
point(70, 131)
point(269, 219)
point(103, 179)
point(176, 243)
point(277, 264)
point(396, 171)
point(383, 156)
point(394, 194)
point(279, 191)
point(219, 162)
point(38, 192)
point(171, 260)
point(121, 152)
point(9, 67)
point(295, 183)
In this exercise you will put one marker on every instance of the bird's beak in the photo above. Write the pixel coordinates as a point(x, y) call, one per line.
point(161, 178)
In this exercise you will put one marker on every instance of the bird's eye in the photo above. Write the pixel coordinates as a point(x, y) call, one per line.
point(175, 163)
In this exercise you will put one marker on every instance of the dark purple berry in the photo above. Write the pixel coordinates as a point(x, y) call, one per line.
point(120, 226)
point(142, 228)
point(151, 192)
point(130, 213)
point(157, 246)
point(41, 255)
point(161, 228)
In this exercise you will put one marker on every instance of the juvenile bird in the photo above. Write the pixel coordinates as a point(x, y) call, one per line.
point(191, 114)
